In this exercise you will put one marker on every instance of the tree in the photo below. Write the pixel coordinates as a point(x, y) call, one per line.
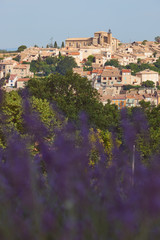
point(55, 45)
point(91, 58)
point(12, 108)
point(157, 64)
point(74, 94)
point(148, 83)
point(112, 62)
point(65, 64)
point(46, 113)
point(154, 54)
point(145, 105)
point(71, 92)
point(17, 58)
point(139, 61)
point(157, 39)
point(8, 76)
point(144, 42)
point(59, 55)
point(21, 48)
point(62, 45)
point(51, 60)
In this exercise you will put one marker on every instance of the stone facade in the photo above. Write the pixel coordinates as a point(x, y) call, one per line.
point(100, 39)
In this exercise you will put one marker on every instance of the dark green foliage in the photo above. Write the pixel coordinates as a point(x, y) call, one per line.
point(62, 45)
point(21, 48)
point(128, 87)
point(144, 42)
point(55, 45)
point(157, 39)
point(157, 64)
point(140, 67)
point(73, 94)
point(148, 83)
point(52, 65)
point(113, 62)
point(91, 58)
point(65, 64)
point(154, 54)
point(17, 58)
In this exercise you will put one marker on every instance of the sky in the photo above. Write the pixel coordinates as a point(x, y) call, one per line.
point(30, 22)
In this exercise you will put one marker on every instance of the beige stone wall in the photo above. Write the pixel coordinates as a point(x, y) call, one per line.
point(126, 78)
point(22, 72)
point(78, 43)
point(20, 84)
point(148, 76)
point(102, 39)
point(6, 69)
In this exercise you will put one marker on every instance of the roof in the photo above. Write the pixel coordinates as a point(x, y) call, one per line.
point(111, 73)
point(23, 79)
point(119, 97)
point(8, 62)
point(78, 39)
point(101, 32)
point(97, 71)
point(21, 66)
point(73, 53)
point(12, 76)
point(147, 71)
point(126, 70)
point(109, 67)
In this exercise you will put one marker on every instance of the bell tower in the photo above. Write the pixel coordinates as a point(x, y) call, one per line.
point(109, 36)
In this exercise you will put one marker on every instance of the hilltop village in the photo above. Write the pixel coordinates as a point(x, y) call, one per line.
point(94, 57)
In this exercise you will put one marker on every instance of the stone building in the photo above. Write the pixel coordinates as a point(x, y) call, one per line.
point(100, 39)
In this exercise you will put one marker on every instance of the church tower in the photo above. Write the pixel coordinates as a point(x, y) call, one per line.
point(109, 37)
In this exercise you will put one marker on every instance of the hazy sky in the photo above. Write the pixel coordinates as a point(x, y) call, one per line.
point(33, 22)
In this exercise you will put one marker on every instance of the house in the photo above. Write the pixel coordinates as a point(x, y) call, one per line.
point(6, 67)
point(11, 82)
point(22, 70)
point(148, 75)
point(21, 82)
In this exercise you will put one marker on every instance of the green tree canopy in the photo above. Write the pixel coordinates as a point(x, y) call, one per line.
point(22, 48)
point(73, 94)
point(65, 64)
point(17, 58)
point(55, 45)
point(91, 58)
point(157, 39)
point(62, 45)
point(112, 62)
point(144, 42)
point(148, 83)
